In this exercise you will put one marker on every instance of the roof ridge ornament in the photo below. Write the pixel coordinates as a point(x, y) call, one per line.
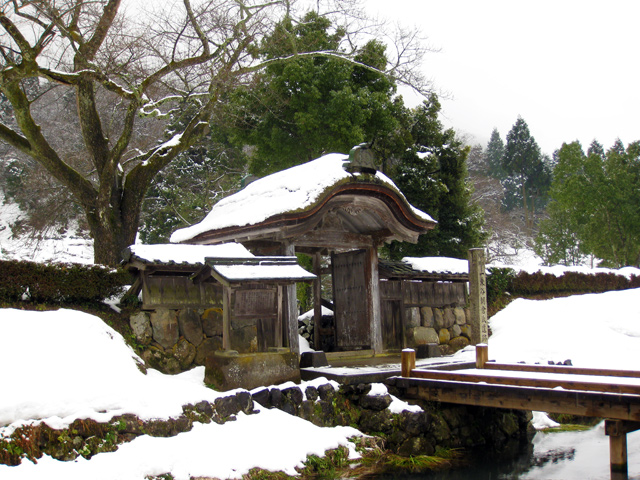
point(361, 160)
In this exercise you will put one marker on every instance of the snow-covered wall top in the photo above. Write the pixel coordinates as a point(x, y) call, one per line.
point(438, 264)
point(293, 189)
point(191, 254)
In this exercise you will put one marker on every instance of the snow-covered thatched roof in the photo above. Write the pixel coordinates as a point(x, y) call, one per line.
point(296, 189)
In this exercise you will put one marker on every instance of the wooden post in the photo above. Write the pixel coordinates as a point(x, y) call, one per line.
point(373, 298)
point(408, 361)
point(291, 310)
point(482, 354)
point(317, 300)
point(280, 332)
point(618, 454)
point(226, 318)
point(478, 296)
point(617, 431)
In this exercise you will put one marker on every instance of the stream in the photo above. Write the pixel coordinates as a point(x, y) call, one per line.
point(559, 456)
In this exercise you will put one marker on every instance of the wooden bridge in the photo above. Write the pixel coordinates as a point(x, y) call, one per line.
point(610, 394)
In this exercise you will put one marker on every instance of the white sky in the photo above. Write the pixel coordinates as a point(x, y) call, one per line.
point(569, 68)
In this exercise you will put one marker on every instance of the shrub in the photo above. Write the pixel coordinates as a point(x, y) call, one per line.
point(60, 282)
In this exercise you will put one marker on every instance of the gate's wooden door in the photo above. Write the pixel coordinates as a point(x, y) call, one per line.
point(352, 323)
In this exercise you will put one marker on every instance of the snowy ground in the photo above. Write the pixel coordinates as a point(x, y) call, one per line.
point(69, 246)
point(63, 379)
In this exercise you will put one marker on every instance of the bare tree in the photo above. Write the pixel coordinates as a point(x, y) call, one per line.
point(127, 70)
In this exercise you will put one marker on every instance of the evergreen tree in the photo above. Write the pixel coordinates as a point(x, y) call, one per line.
point(432, 174)
point(527, 175)
point(595, 201)
point(309, 106)
point(494, 153)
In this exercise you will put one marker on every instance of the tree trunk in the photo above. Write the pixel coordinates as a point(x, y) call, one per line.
point(112, 231)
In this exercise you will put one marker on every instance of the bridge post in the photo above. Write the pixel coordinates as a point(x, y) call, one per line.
point(617, 431)
point(482, 354)
point(408, 361)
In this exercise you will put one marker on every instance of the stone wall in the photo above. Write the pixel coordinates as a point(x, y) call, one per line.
point(501, 432)
point(174, 340)
point(449, 327)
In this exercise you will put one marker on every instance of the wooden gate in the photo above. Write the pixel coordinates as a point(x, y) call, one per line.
point(352, 322)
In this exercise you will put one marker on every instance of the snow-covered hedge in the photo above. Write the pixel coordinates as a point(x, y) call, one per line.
point(59, 282)
point(503, 280)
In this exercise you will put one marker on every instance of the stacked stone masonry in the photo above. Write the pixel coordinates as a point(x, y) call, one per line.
point(449, 327)
point(175, 340)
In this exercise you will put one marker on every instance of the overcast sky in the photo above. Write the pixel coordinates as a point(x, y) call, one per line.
point(569, 68)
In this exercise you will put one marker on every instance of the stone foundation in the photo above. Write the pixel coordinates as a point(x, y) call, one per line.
point(226, 370)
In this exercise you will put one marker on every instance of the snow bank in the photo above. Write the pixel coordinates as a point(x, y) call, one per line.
point(73, 365)
point(271, 439)
point(593, 330)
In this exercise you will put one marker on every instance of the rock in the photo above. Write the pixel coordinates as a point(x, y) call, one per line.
point(294, 394)
point(423, 336)
point(438, 318)
point(185, 353)
point(449, 317)
point(458, 343)
point(212, 322)
point(245, 402)
point(427, 319)
point(275, 397)
point(190, 326)
point(444, 336)
point(227, 406)
point(376, 421)
point(165, 327)
point(414, 446)
point(141, 327)
point(465, 331)
point(160, 360)
point(455, 331)
point(262, 397)
point(311, 392)
point(326, 392)
point(205, 408)
point(460, 316)
point(412, 317)
point(375, 402)
point(208, 347)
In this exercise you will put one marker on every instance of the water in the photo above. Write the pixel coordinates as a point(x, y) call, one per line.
point(562, 456)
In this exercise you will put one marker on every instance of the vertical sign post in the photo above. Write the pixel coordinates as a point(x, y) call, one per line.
point(478, 296)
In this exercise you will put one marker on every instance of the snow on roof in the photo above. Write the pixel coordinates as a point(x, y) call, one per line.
point(438, 264)
point(293, 189)
point(236, 273)
point(191, 254)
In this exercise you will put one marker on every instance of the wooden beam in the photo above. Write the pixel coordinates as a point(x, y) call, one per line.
point(590, 404)
point(521, 367)
point(490, 378)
